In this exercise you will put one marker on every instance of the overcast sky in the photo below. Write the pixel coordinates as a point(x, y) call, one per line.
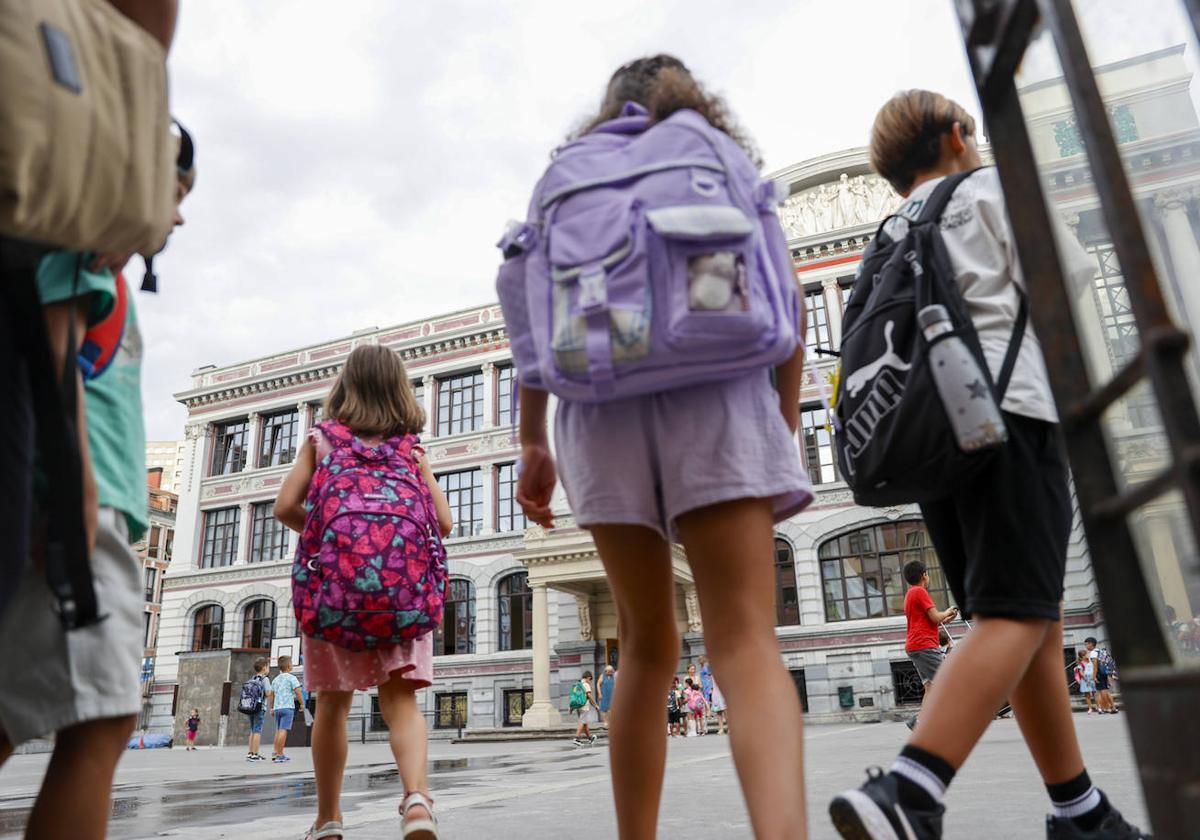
point(357, 161)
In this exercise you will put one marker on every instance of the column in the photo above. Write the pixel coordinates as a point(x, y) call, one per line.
point(1087, 316)
point(541, 714)
point(243, 544)
point(253, 445)
point(428, 384)
point(1182, 248)
point(195, 458)
point(489, 395)
point(489, 498)
point(833, 308)
point(303, 422)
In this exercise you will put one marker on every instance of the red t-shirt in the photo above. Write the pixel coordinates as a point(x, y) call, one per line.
point(922, 633)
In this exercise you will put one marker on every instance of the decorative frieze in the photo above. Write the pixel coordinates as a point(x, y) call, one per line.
point(847, 202)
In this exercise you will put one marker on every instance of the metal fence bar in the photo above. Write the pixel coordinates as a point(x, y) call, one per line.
point(1163, 358)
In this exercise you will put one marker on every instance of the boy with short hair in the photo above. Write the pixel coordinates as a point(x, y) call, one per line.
point(585, 713)
point(261, 666)
point(1102, 668)
point(922, 642)
point(283, 698)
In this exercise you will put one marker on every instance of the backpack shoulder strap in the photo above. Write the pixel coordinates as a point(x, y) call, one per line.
point(935, 205)
point(338, 434)
point(1014, 346)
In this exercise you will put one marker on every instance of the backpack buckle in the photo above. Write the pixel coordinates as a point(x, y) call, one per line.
point(593, 293)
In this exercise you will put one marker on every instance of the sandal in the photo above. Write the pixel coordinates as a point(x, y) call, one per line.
point(333, 828)
point(418, 828)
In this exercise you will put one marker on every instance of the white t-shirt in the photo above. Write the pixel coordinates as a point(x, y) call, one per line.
point(982, 250)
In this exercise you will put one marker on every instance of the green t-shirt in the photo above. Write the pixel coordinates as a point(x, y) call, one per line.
point(113, 400)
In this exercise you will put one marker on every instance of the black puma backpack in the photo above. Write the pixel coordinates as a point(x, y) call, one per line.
point(894, 441)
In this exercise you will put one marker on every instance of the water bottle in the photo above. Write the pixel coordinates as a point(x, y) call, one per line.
point(962, 385)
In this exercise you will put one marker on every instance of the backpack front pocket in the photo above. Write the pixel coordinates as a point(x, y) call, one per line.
point(600, 306)
point(710, 265)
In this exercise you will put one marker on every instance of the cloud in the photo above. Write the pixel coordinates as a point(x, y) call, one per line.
point(357, 161)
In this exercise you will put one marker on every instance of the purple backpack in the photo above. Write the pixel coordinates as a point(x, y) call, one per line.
point(651, 259)
point(370, 568)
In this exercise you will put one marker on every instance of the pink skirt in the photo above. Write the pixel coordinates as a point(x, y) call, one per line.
point(328, 667)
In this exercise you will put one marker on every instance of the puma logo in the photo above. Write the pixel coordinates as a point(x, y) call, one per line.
point(863, 376)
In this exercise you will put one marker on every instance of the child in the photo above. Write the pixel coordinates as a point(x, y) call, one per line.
point(1104, 672)
point(923, 619)
point(283, 698)
point(373, 398)
point(585, 714)
point(718, 708)
point(1002, 541)
point(84, 686)
point(695, 704)
point(193, 727)
point(1085, 676)
point(713, 466)
point(674, 715)
point(261, 666)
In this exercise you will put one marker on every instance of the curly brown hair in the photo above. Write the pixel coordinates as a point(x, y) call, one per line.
point(662, 84)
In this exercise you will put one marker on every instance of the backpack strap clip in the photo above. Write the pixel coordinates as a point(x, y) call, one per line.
point(769, 193)
point(519, 238)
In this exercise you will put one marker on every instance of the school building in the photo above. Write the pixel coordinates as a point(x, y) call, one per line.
point(529, 609)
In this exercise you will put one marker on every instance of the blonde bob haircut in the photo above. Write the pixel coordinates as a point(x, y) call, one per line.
point(372, 395)
point(906, 138)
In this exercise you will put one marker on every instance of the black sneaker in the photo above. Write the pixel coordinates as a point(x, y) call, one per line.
point(1112, 827)
point(911, 723)
point(874, 812)
point(579, 742)
point(591, 739)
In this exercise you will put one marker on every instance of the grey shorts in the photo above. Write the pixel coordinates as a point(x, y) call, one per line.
point(53, 679)
point(927, 662)
point(647, 460)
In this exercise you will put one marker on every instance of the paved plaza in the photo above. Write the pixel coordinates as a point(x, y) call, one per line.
point(545, 789)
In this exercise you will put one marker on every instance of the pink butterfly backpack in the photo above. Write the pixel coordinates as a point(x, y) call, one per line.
point(370, 568)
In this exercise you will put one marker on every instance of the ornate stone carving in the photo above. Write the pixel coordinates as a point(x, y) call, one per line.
point(584, 606)
point(848, 202)
point(195, 431)
point(691, 602)
point(1176, 198)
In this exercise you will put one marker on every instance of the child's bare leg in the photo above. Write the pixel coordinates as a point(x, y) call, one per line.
point(407, 734)
point(280, 740)
point(638, 564)
point(329, 752)
point(729, 547)
point(1043, 707)
point(76, 794)
point(963, 699)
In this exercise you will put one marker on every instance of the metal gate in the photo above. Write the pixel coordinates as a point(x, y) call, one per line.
point(1105, 147)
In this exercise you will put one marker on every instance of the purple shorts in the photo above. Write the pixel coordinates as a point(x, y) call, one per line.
point(647, 460)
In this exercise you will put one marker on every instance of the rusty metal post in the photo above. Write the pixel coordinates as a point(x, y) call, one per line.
point(1160, 697)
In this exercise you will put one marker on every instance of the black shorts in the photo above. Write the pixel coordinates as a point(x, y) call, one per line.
point(1002, 541)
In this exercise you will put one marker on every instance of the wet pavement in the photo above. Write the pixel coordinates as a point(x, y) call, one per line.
point(540, 789)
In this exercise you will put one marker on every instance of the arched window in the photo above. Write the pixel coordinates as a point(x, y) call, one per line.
point(516, 612)
point(258, 624)
point(861, 571)
point(787, 599)
point(456, 633)
point(206, 627)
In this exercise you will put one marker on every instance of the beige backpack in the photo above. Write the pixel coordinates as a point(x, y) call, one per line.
point(87, 158)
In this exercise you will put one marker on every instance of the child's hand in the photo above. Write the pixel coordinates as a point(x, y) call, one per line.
point(536, 483)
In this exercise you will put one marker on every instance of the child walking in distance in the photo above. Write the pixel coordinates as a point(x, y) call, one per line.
point(193, 728)
point(1105, 671)
point(1085, 676)
point(922, 642)
point(371, 405)
point(586, 714)
point(259, 714)
point(1001, 540)
point(283, 698)
point(711, 465)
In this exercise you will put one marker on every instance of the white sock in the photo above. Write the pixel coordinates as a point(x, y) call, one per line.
point(1078, 806)
point(918, 775)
